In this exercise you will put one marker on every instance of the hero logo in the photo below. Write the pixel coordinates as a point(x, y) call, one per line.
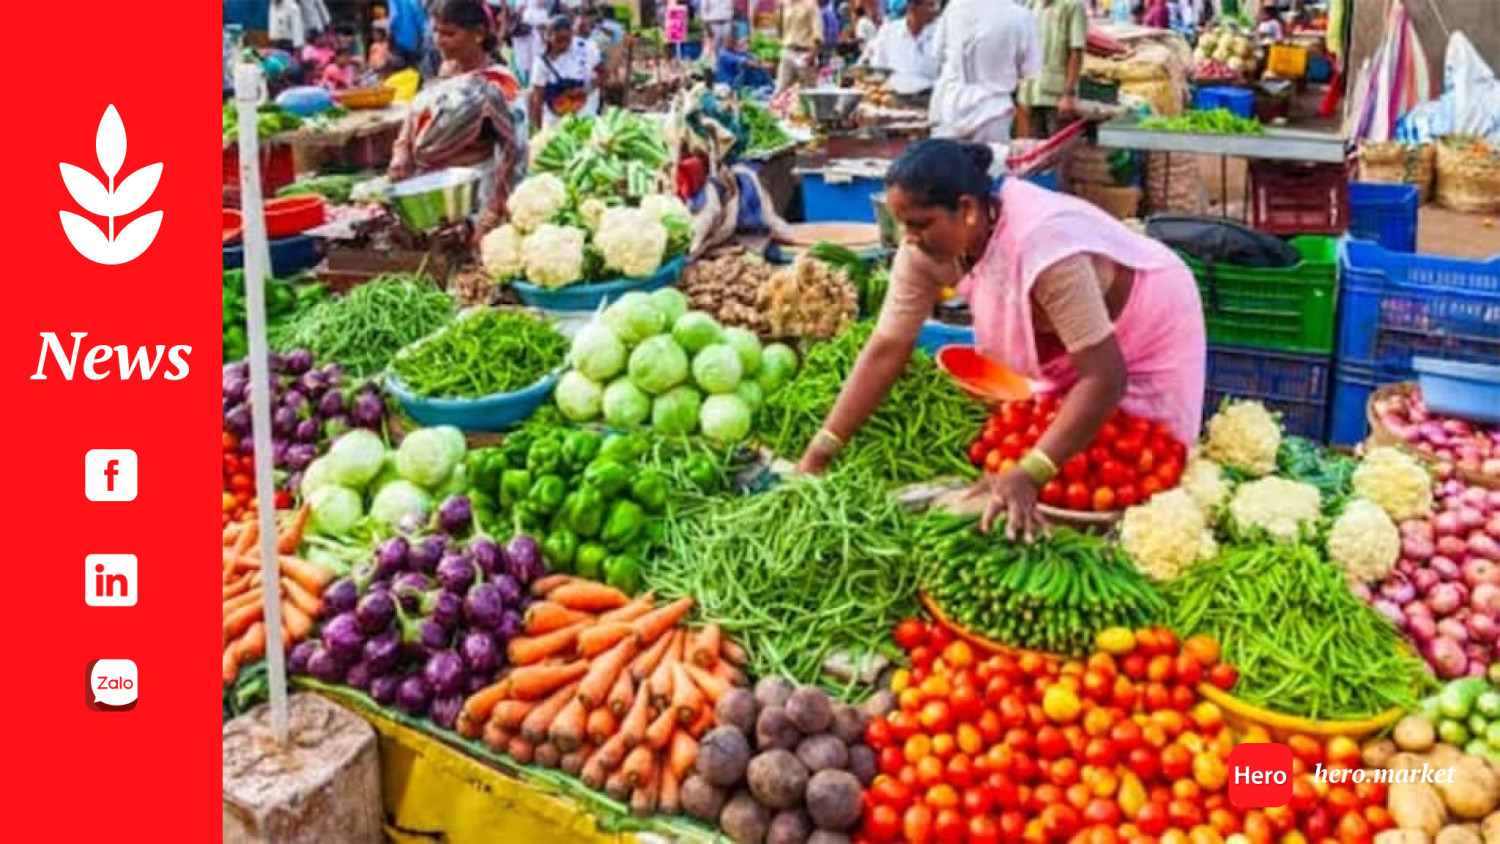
point(111, 201)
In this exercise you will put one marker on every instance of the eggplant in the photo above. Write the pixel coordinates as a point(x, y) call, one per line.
point(476, 682)
point(512, 625)
point(238, 421)
point(300, 455)
point(278, 451)
point(383, 689)
point(323, 665)
point(393, 552)
point(307, 431)
point(456, 515)
point(433, 635)
point(234, 387)
point(412, 696)
point(342, 637)
point(511, 592)
point(479, 652)
point(446, 608)
point(375, 611)
point(297, 361)
point(425, 554)
point(295, 401)
point(368, 410)
point(444, 711)
point(239, 369)
point(382, 652)
point(284, 421)
point(296, 660)
point(246, 447)
point(488, 555)
point(484, 606)
point(409, 587)
point(359, 675)
point(444, 673)
point(524, 559)
point(456, 573)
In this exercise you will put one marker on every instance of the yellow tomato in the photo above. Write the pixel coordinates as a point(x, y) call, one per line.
point(943, 746)
point(917, 748)
point(1208, 716)
point(900, 680)
point(960, 654)
point(936, 686)
point(1115, 640)
point(969, 739)
point(1209, 771)
point(1061, 705)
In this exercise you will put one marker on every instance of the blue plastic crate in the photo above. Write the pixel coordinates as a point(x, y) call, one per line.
point(1048, 179)
point(289, 255)
point(1395, 306)
point(1296, 386)
point(839, 201)
point(1348, 423)
point(936, 335)
point(1386, 214)
point(1238, 101)
point(1462, 390)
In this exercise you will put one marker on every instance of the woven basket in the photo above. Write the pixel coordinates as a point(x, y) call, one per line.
point(1390, 163)
point(1089, 165)
point(1122, 203)
point(1468, 176)
point(1380, 435)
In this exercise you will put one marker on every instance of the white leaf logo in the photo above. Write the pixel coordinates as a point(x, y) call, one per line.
point(111, 201)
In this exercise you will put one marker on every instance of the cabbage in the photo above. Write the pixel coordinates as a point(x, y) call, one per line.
point(428, 455)
point(355, 458)
point(717, 369)
point(725, 419)
point(625, 406)
point(751, 394)
point(634, 318)
point(397, 499)
point(597, 352)
point(676, 411)
point(578, 397)
point(314, 477)
point(658, 365)
point(748, 345)
point(335, 509)
point(695, 331)
point(671, 302)
point(778, 363)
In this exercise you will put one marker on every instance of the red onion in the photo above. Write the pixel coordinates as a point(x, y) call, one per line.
point(1483, 628)
point(1416, 548)
point(1445, 568)
point(1445, 598)
point(1452, 628)
point(1421, 628)
point(1447, 658)
point(1492, 527)
point(1424, 579)
point(1485, 600)
point(1399, 590)
point(1361, 590)
point(1474, 496)
point(1477, 668)
point(1483, 545)
point(1477, 570)
point(1469, 517)
point(1493, 499)
point(1392, 611)
point(1452, 546)
point(1446, 524)
point(1417, 609)
point(1406, 567)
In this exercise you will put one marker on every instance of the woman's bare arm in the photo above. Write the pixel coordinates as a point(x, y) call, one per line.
point(1100, 387)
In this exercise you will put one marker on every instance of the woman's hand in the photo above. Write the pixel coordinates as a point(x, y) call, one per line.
point(1013, 493)
point(398, 171)
point(815, 459)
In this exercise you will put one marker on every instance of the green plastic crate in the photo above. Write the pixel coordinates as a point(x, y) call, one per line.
point(1290, 309)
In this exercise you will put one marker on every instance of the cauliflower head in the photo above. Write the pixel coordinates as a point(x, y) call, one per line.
point(1282, 508)
point(1245, 436)
point(1204, 480)
point(631, 241)
point(1364, 542)
point(537, 200)
point(500, 253)
point(1394, 480)
point(1166, 535)
point(553, 255)
point(661, 206)
point(592, 211)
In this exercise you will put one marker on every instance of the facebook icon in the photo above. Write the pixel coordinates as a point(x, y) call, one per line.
point(109, 474)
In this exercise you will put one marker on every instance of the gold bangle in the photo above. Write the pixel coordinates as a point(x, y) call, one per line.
point(827, 436)
point(1037, 466)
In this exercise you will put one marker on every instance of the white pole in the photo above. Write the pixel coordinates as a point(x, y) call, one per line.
point(248, 85)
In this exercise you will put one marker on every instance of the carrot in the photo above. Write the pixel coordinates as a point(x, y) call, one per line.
point(303, 599)
point(237, 586)
point(496, 738)
point(479, 705)
point(599, 638)
point(682, 754)
point(602, 673)
point(231, 663)
point(572, 763)
point(643, 800)
point(532, 649)
point(545, 617)
point(247, 538)
point(534, 728)
point(662, 619)
point(661, 678)
point(252, 645)
point(510, 713)
point(520, 750)
point(615, 786)
point(601, 725)
point(687, 701)
point(633, 726)
point(588, 596)
point(468, 727)
point(237, 622)
point(646, 663)
point(638, 606)
point(593, 772)
point(670, 800)
point(704, 723)
point(291, 537)
point(298, 623)
point(567, 730)
point(712, 687)
point(726, 671)
point(731, 650)
point(611, 753)
point(546, 584)
point(534, 682)
point(705, 650)
point(639, 766)
point(621, 696)
point(240, 601)
point(547, 755)
point(232, 533)
point(659, 733)
point(312, 576)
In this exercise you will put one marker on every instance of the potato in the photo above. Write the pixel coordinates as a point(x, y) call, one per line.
point(849, 724)
point(1474, 789)
point(1415, 734)
point(880, 704)
point(1415, 805)
point(702, 799)
point(823, 751)
point(736, 709)
point(1402, 836)
point(777, 779)
point(744, 820)
point(774, 730)
point(810, 710)
point(789, 827)
point(1377, 754)
point(773, 691)
point(1407, 762)
point(1444, 756)
point(823, 836)
point(723, 756)
point(1491, 828)
point(1455, 834)
point(863, 764)
point(833, 800)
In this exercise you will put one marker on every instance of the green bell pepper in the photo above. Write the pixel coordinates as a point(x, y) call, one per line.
point(547, 493)
point(704, 474)
point(623, 572)
point(607, 476)
point(590, 560)
point(578, 448)
point(515, 485)
point(515, 447)
point(622, 448)
point(484, 468)
point(559, 549)
point(586, 516)
point(625, 522)
point(543, 458)
point(650, 489)
point(655, 532)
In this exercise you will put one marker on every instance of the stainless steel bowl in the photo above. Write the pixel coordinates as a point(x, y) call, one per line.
point(436, 199)
point(831, 105)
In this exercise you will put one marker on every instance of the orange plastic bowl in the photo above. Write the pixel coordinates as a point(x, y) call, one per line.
point(982, 377)
point(291, 215)
point(233, 224)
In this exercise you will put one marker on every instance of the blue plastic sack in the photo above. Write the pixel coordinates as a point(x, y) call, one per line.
point(305, 100)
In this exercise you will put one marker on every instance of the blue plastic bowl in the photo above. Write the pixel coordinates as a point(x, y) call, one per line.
point(587, 297)
point(489, 414)
point(1463, 390)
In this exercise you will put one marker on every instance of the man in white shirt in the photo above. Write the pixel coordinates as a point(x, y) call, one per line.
point(718, 21)
point(985, 49)
point(905, 46)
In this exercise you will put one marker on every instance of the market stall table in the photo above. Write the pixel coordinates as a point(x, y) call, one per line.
point(361, 139)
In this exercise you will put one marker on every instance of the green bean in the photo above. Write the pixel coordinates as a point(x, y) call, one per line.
point(487, 352)
point(364, 330)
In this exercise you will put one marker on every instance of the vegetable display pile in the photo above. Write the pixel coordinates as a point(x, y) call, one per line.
point(725, 284)
point(1466, 714)
point(615, 153)
point(1218, 121)
point(1227, 46)
point(334, 187)
point(648, 360)
point(594, 507)
point(302, 587)
point(808, 299)
point(617, 692)
point(781, 764)
point(427, 622)
point(398, 486)
point(1445, 590)
point(270, 120)
point(919, 433)
point(482, 353)
point(1128, 461)
point(1054, 594)
point(285, 299)
point(870, 277)
point(1305, 643)
point(804, 570)
point(365, 329)
point(1469, 446)
point(765, 133)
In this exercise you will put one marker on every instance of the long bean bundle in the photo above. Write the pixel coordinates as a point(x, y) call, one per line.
point(366, 328)
point(1054, 594)
point(806, 569)
point(921, 431)
point(1303, 642)
point(484, 353)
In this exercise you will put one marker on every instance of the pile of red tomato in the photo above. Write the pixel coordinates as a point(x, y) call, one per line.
point(1118, 748)
point(239, 483)
point(1129, 460)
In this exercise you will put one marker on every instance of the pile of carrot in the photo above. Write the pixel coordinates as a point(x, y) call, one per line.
point(612, 689)
point(302, 585)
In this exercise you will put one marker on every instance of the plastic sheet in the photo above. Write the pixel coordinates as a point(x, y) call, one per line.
point(1470, 104)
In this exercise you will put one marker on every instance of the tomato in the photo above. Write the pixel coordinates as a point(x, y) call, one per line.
point(942, 796)
point(936, 717)
point(1098, 456)
point(1134, 666)
point(1050, 742)
point(1126, 736)
point(1052, 493)
point(1223, 675)
point(1112, 473)
point(890, 791)
point(916, 823)
point(903, 725)
point(1075, 468)
point(1343, 751)
point(1354, 829)
point(1064, 772)
point(891, 760)
point(1160, 669)
point(1379, 819)
point(1203, 648)
point(1125, 694)
point(966, 703)
point(960, 771)
point(990, 728)
point(1157, 697)
point(1097, 722)
point(1152, 818)
point(1020, 740)
point(982, 830)
point(1183, 698)
point(882, 823)
point(910, 633)
point(949, 827)
point(929, 771)
point(944, 746)
point(1077, 497)
point(978, 451)
point(1184, 813)
point(1143, 762)
point(939, 637)
point(1128, 448)
point(1307, 749)
point(1059, 820)
point(1371, 793)
point(1169, 472)
point(1102, 811)
point(878, 734)
point(1012, 824)
point(1176, 762)
point(1187, 669)
point(993, 460)
point(1104, 500)
point(1126, 495)
point(1100, 752)
point(1304, 796)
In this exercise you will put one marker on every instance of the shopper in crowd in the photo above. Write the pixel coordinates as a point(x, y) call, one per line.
point(718, 22)
point(343, 72)
point(1269, 28)
point(476, 129)
point(802, 39)
point(285, 28)
point(865, 29)
point(1051, 98)
point(905, 46)
point(985, 49)
point(1158, 16)
point(566, 76)
point(1062, 294)
point(378, 54)
point(527, 35)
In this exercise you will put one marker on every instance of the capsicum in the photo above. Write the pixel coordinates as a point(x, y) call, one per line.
point(586, 515)
point(607, 475)
point(543, 458)
point(515, 448)
point(704, 473)
point(547, 493)
point(623, 572)
point(650, 490)
point(559, 549)
point(578, 448)
point(623, 448)
point(625, 522)
point(590, 560)
point(515, 485)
